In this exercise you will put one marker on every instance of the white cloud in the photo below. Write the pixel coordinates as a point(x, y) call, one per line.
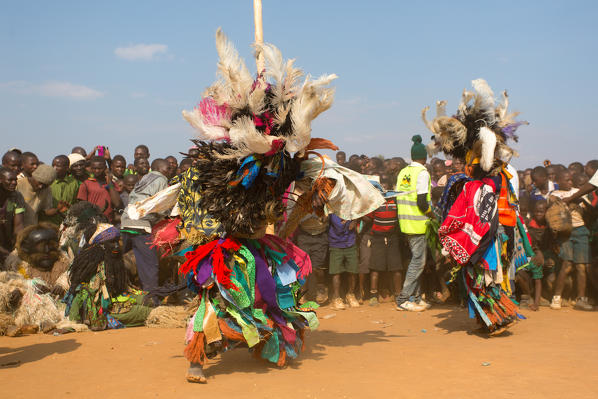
point(143, 52)
point(53, 89)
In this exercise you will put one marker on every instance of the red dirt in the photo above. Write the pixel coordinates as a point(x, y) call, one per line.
point(365, 352)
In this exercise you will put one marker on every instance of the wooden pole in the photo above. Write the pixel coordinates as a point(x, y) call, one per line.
point(259, 32)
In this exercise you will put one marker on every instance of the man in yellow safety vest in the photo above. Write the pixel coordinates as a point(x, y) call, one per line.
point(414, 212)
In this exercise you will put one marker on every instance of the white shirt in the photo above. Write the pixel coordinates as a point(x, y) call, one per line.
point(594, 179)
point(423, 179)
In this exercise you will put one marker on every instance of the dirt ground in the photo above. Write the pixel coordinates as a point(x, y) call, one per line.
point(357, 353)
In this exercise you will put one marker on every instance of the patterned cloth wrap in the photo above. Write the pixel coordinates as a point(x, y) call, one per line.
point(92, 305)
point(248, 292)
point(472, 235)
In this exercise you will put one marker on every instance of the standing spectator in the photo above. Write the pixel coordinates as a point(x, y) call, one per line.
point(142, 166)
point(141, 151)
point(79, 150)
point(136, 233)
point(30, 163)
point(173, 164)
point(312, 237)
point(64, 190)
point(77, 167)
point(118, 167)
point(343, 259)
point(185, 164)
point(385, 245)
point(575, 251)
point(99, 189)
point(12, 160)
point(438, 172)
point(341, 158)
point(413, 208)
point(12, 209)
point(551, 173)
point(542, 185)
point(36, 193)
point(128, 185)
point(576, 168)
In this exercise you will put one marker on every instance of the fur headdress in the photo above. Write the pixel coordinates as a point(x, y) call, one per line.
point(480, 128)
point(249, 130)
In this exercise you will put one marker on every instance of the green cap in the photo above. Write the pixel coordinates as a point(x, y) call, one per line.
point(418, 150)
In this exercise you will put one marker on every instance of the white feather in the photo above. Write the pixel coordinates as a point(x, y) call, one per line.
point(488, 139)
point(206, 131)
point(231, 67)
point(484, 98)
point(244, 135)
point(440, 108)
point(428, 124)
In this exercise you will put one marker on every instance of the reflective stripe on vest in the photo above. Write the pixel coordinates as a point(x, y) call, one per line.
point(411, 219)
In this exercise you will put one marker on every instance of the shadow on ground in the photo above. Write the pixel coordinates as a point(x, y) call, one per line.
point(456, 319)
point(240, 361)
point(14, 357)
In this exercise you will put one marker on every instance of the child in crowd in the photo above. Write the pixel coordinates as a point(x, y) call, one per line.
point(575, 250)
point(343, 259)
point(129, 182)
point(386, 256)
point(541, 246)
point(542, 185)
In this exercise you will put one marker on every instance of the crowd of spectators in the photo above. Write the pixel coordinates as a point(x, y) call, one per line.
point(362, 261)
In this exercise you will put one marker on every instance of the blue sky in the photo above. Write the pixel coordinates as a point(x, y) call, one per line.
point(119, 73)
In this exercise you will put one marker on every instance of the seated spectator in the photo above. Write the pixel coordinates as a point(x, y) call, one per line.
point(37, 194)
point(64, 190)
point(30, 163)
point(12, 160)
point(575, 250)
point(343, 259)
point(99, 189)
point(142, 166)
point(12, 210)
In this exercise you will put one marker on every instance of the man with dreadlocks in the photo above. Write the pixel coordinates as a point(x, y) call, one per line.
point(99, 294)
point(482, 229)
point(258, 136)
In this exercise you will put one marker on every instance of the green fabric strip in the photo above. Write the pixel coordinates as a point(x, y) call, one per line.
point(200, 314)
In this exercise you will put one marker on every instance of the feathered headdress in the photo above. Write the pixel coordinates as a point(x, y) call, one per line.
point(248, 129)
point(480, 129)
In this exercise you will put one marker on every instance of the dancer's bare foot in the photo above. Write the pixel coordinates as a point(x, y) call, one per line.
point(195, 374)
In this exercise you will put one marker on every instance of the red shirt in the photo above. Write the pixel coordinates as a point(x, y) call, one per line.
point(385, 218)
point(94, 192)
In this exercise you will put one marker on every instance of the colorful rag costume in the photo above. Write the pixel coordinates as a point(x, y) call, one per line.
point(481, 228)
point(255, 141)
point(99, 294)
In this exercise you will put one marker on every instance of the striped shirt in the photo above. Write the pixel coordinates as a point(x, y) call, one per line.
point(385, 217)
